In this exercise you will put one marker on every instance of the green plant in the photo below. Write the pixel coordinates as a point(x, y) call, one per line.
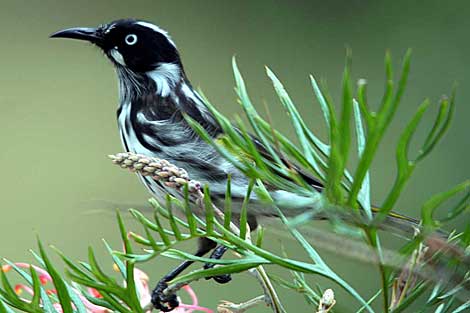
point(412, 273)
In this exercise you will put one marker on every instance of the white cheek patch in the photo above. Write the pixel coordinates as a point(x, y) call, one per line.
point(117, 56)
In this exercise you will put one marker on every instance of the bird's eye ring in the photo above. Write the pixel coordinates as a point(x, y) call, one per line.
point(131, 39)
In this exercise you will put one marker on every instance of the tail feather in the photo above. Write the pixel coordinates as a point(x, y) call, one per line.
point(400, 222)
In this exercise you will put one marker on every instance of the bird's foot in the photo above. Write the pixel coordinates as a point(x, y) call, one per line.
point(161, 301)
point(221, 279)
point(217, 254)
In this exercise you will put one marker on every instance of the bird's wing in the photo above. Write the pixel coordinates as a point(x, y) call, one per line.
point(263, 151)
point(396, 220)
point(309, 178)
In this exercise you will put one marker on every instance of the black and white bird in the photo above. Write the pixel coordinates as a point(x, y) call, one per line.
point(154, 93)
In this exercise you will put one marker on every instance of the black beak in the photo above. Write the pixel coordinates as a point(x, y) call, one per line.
point(81, 33)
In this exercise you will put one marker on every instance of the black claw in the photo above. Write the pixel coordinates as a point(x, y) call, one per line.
point(217, 254)
point(221, 279)
point(161, 301)
point(168, 302)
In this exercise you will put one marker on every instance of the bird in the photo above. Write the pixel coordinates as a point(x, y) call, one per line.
point(155, 95)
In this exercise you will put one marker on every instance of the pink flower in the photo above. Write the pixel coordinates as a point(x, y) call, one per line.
point(141, 282)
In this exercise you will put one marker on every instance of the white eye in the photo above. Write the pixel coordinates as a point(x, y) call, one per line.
point(131, 39)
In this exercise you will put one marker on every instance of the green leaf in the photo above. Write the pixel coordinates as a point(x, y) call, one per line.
point(35, 301)
point(372, 299)
point(123, 232)
point(363, 104)
point(364, 192)
point(325, 270)
point(60, 285)
point(428, 209)
point(379, 123)
point(4, 307)
point(98, 301)
point(76, 300)
point(20, 271)
point(244, 210)
point(77, 270)
point(165, 213)
point(8, 292)
point(46, 302)
point(462, 307)
point(405, 166)
point(120, 265)
point(187, 209)
point(38, 258)
point(401, 85)
point(209, 211)
point(324, 107)
point(332, 186)
point(138, 258)
point(259, 236)
point(344, 126)
point(131, 289)
point(161, 231)
point(219, 148)
point(97, 271)
point(440, 126)
point(171, 218)
point(216, 271)
point(105, 290)
point(150, 241)
point(181, 255)
point(148, 223)
point(228, 203)
point(459, 208)
point(251, 111)
point(142, 241)
point(301, 129)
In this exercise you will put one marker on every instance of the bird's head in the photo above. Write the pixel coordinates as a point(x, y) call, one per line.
point(137, 45)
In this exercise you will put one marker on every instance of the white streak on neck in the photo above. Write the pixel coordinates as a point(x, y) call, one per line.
point(117, 56)
point(166, 76)
point(191, 94)
point(157, 29)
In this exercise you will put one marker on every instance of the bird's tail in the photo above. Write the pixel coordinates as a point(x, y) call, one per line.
point(399, 222)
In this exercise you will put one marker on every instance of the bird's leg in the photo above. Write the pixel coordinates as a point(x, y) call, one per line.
point(168, 302)
point(217, 254)
point(220, 250)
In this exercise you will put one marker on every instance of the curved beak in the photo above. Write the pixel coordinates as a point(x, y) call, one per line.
point(81, 33)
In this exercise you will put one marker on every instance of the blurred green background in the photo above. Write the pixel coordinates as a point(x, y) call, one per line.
point(58, 100)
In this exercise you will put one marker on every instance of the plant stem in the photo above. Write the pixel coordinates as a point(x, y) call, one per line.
point(373, 240)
